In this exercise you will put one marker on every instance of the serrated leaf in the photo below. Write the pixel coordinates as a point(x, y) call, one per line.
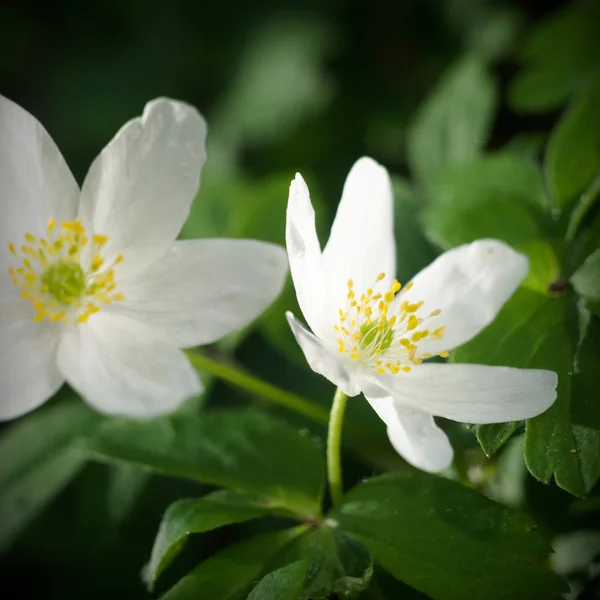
point(499, 196)
point(535, 331)
point(493, 436)
point(453, 124)
point(198, 515)
point(244, 450)
point(573, 151)
point(336, 565)
point(586, 280)
point(39, 455)
point(229, 573)
point(586, 405)
point(282, 584)
point(448, 541)
point(559, 59)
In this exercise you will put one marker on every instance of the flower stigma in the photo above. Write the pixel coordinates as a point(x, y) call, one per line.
point(64, 275)
point(383, 332)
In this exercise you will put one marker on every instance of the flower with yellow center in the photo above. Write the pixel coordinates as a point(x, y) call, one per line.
point(372, 335)
point(94, 289)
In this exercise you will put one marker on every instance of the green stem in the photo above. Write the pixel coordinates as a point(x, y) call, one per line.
point(257, 386)
point(334, 442)
point(585, 203)
point(374, 449)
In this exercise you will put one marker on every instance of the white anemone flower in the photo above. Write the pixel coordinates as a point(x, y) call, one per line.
point(94, 288)
point(370, 335)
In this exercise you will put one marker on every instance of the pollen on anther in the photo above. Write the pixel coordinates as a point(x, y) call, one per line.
point(100, 240)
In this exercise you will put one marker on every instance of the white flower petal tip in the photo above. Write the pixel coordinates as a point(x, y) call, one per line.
point(140, 188)
point(474, 393)
point(321, 359)
point(36, 183)
point(414, 435)
point(499, 252)
point(367, 167)
point(361, 243)
point(304, 254)
point(462, 291)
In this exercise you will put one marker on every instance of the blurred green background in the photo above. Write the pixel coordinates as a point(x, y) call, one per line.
point(285, 87)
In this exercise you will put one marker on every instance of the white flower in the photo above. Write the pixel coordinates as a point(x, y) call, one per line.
point(371, 336)
point(101, 295)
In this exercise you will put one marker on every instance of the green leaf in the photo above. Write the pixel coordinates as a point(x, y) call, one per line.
point(243, 450)
point(500, 196)
point(527, 145)
point(280, 82)
point(453, 124)
point(283, 584)
point(197, 515)
point(492, 437)
point(586, 405)
point(447, 540)
point(414, 252)
point(227, 574)
point(586, 280)
point(573, 152)
point(40, 455)
point(335, 564)
point(560, 58)
point(535, 331)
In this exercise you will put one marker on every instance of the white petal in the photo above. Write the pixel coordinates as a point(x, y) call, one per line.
point(202, 290)
point(414, 435)
point(474, 393)
point(322, 359)
point(470, 284)
point(28, 372)
point(304, 253)
point(140, 188)
point(36, 182)
point(121, 368)
point(361, 244)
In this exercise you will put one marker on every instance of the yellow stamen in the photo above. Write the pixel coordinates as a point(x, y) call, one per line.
point(52, 278)
point(381, 333)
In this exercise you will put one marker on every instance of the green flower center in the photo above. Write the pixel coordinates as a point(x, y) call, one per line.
point(51, 276)
point(382, 333)
point(377, 335)
point(65, 280)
